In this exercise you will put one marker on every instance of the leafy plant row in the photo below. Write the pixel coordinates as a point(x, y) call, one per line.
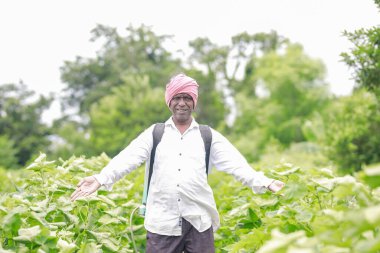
point(316, 212)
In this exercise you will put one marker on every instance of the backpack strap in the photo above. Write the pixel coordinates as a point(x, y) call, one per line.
point(207, 139)
point(158, 131)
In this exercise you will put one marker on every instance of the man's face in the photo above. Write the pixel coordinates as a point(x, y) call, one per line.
point(181, 107)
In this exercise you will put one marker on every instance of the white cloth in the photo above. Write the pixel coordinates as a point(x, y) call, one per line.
point(179, 185)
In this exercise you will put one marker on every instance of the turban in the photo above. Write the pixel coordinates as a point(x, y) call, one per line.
point(181, 84)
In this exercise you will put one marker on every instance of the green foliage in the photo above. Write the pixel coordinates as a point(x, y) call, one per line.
point(70, 139)
point(140, 52)
point(364, 57)
point(8, 152)
point(20, 121)
point(119, 117)
point(352, 127)
point(294, 88)
point(370, 175)
point(10, 179)
point(39, 216)
point(316, 212)
point(246, 49)
point(305, 154)
point(210, 109)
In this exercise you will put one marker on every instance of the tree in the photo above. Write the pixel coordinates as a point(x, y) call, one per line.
point(352, 128)
point(120, 116)
point(70, 138)
point(140, 52)
point(294, 89)
point(364, 57)
point(8, 153)
point(222, 65)
point(20, 120)
point(211, 109)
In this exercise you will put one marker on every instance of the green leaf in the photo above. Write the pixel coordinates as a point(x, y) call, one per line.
point(28, 234)
point(12, 222)
point(40, 164)
point(88, 248)
point(106, 219)
point(292, 170)
point(279, 241)
point(265, 202)
point(105, 239)
point(66, 247)
point(372, 215)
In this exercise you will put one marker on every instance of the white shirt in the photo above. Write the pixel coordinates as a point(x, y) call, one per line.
point(179, 187)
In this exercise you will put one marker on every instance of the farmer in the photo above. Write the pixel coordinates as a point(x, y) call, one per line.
point(181, 214)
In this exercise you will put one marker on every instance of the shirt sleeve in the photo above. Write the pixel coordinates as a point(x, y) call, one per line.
point(137, 152)
point(225, 157)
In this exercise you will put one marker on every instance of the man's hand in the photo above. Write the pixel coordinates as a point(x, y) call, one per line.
point(276, 185)
point(86, 186)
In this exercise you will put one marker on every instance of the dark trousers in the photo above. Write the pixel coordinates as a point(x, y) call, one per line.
point(191, 241)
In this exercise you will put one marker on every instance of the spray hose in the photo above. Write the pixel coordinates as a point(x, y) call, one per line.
point(131, 229)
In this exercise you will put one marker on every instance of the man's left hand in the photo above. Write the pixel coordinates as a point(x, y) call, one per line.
point(276, 185)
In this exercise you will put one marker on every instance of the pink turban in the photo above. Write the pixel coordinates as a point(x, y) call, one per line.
point(181, 84)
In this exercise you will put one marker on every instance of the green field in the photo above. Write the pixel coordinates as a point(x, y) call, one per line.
point(317, 211)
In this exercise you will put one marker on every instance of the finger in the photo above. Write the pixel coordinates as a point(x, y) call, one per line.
point(75, 192)
point(74, 196)
point(85, 193)
point(81, 182)
point(78, 193)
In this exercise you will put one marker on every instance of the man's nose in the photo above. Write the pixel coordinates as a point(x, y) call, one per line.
point(181, 101)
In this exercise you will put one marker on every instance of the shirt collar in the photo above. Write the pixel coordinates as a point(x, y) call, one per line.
point(193, 124)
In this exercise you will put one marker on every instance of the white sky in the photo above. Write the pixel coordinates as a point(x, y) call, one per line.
point(36, 37)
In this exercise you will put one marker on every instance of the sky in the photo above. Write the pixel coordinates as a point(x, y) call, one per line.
point(36, 37)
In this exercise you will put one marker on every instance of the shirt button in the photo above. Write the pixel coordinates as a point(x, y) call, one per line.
point(177, 185)
point(179, 169)
point(180, 153)
point(181, 138)
point(179, 200)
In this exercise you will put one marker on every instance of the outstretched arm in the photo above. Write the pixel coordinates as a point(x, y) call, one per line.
point(127, 160)
point(227, 158)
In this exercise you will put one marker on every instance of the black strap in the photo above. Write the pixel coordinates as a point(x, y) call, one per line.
point(158, 131)
point(207, 139)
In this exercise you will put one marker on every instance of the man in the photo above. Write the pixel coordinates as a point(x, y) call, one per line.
point(181, 213)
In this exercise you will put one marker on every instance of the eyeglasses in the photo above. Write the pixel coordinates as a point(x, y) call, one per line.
point(185, 98)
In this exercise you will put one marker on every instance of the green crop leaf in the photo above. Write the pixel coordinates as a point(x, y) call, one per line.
point(265, 202)
point(292, 170)
point(326, 183)
point(280, 241)
point(105, 239)
point(106, 219)
point(316, 212)
point(106, 200)
point(295, 191)
point(372, 215)
point(88, 248)
point(66, 247)
point(40, 164)
point(12, 222)
point(28, 234)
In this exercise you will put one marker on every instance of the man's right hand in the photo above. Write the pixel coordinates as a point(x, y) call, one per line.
point(86, 186)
